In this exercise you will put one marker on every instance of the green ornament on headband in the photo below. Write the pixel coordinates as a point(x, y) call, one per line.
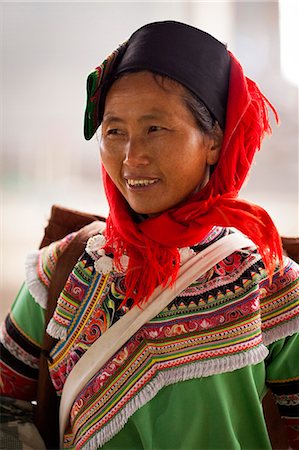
point(98, 82)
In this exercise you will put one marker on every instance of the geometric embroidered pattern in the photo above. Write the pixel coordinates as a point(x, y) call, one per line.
point(220, 323)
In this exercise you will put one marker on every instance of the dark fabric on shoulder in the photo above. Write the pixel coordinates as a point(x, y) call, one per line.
point(63, 221)
point(291, 247)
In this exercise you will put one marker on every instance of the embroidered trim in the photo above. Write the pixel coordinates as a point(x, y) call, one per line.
point(166, 378)
point(227, 317)
point(287, 399)
point(39, 267)
point(36, 288)
point(70, 298)
point(281, 331)
point(16, 350)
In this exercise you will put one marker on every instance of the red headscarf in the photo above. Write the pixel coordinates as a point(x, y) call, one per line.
point(152, 245)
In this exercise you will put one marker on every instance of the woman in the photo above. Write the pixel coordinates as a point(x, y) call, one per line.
point(180, 124)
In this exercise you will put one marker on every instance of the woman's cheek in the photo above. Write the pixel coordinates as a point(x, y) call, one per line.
point(109, 153)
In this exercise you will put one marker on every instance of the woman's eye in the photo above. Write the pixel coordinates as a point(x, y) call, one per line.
point(155, 128)
point(114, 132)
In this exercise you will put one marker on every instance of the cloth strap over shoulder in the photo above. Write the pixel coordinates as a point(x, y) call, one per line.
point(116, 336)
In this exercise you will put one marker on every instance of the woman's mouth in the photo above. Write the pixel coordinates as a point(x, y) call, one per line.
point(134, 183)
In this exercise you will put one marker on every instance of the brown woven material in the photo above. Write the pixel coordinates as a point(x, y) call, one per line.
point(63, 221)
point(291, 247)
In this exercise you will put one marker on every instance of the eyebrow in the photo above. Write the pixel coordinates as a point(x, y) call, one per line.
point(111, 118)
point(108, 117)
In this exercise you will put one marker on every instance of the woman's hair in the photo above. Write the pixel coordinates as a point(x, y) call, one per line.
point(206, 123)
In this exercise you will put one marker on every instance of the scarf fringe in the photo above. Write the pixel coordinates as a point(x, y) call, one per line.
point(36, 288)
point(258, 226)
point(172, 376)
point(161, 265)
point(246, 125)
point(281, 331)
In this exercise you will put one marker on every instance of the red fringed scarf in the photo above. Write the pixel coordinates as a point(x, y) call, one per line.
point(152, 246)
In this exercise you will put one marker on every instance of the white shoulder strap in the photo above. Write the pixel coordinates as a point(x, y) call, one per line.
point(116, 336)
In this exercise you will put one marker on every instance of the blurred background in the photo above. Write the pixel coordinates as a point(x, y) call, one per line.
point(47, 51)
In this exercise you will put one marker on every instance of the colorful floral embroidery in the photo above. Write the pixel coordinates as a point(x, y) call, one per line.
point(218, 324)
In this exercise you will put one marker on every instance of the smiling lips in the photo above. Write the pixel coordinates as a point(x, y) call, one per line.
point(140, 183)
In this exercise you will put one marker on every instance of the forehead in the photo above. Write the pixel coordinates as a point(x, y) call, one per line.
point(144, 90)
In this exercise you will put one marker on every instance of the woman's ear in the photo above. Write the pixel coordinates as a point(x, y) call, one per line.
point(213, 153)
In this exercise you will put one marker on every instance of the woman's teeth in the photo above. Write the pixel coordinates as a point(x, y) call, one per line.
point(140, 182)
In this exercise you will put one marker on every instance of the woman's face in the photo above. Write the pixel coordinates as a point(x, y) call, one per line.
point(150, 144)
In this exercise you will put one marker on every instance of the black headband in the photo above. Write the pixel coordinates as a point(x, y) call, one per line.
point(190, 56)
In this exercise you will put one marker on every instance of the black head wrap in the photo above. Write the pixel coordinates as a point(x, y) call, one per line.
point(190, 56)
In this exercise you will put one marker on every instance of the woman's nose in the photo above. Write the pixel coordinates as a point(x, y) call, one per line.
point(136, 153)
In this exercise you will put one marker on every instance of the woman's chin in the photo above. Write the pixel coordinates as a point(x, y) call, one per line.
point(146, 212)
